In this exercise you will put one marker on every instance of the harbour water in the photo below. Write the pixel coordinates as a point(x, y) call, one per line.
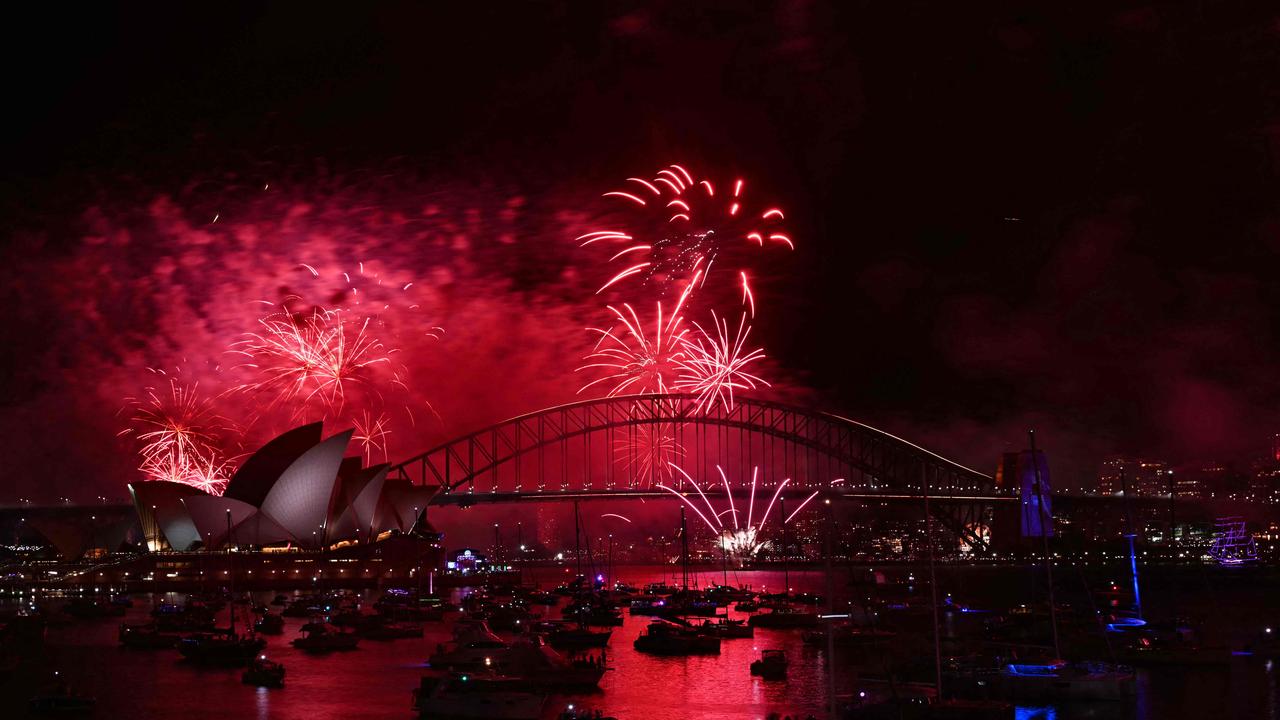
point(376, 680)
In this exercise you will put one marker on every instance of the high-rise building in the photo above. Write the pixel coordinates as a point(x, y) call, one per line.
point(1141, 477)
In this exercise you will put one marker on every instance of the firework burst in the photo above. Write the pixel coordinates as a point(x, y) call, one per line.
point(314, 356)
point(178, 435)
point(684, 229)
point(648, 452)
point(714, 366)
point(371, 433)
point(743, 539)
point(635, 361)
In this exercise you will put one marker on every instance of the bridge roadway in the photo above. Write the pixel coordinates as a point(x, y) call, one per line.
point(467, 499)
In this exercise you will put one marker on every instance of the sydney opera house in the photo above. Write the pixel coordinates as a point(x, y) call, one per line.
point(298, 491)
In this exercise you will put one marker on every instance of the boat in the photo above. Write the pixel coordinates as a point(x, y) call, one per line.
point(474, 646)
point(747, 606)
point(665, 638)
point(93, 608)
point(269, 624)
point(919, 702)
point(263, 673)
point(573, 712)
point(385, 630)
point(60, 699)
point(1266, 644)
point(784, 618)
point(648, 606)
point(847, 636)
point(221, 648)
point(319, 637)
point(578, 637)
point(726, 629)
point(1059, 681)
point(772, 665)
point(481, 696)
point(147, 637)
point(476, 649)
point(1233, 545)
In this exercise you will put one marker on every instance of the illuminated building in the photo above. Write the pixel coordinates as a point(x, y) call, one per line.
point(296, 490)
point(1144, 478)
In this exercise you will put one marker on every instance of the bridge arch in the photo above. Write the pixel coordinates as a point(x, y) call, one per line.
point(625, 444)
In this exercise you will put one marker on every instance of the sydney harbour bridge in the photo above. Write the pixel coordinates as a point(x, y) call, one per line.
point(651, 446)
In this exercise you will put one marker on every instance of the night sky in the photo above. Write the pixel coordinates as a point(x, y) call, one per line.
point(1005, 217)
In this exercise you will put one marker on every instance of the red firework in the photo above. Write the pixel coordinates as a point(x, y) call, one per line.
point(316, 356)
point(371, 433)
point(636, 361)
point(178, 432)
point(683, 226)
point(648, 451)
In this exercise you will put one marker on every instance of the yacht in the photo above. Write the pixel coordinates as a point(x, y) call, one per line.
point(726, 629)
point(664, 638)
point(476, 697)
point(1067, 681)
point(577, 637)
point(784, 618)
point(323, 637)
point(222, 648)
point(529, 661)
point(147, 637)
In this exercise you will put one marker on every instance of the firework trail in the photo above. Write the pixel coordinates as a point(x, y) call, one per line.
point(743, 540)
point(679, 227)
point(648, 452)
point(714, 366)
point(616, 515)
point(178, 433)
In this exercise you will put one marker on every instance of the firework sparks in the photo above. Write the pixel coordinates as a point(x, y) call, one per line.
point(371, 433)
point(679, 226)
point(178, 432)
point(616, 515)
point(317, 356)
point(744, 539)
point(714, 366)
point(648, 452)
point(636, 361)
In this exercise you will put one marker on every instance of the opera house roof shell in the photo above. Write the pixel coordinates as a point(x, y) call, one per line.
point(297, 489)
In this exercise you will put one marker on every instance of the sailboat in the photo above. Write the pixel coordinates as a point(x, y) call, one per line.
point(226, 647)
point(1058, 680)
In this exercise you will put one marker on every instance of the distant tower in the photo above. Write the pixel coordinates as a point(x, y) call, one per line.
point(1275, 447)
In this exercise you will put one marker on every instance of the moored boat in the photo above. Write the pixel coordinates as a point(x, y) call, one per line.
point(476, 697)
point(772, 665)
point(323, 637)
point(263, 673)
point(784, 618)
point(664, 638)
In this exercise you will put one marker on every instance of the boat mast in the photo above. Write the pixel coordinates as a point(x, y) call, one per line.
point(577, 542)
point(831, 612)
point(786, 580)
point(933, 585)
point(1045, 525)
point(684, 552)
point(231, 566)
